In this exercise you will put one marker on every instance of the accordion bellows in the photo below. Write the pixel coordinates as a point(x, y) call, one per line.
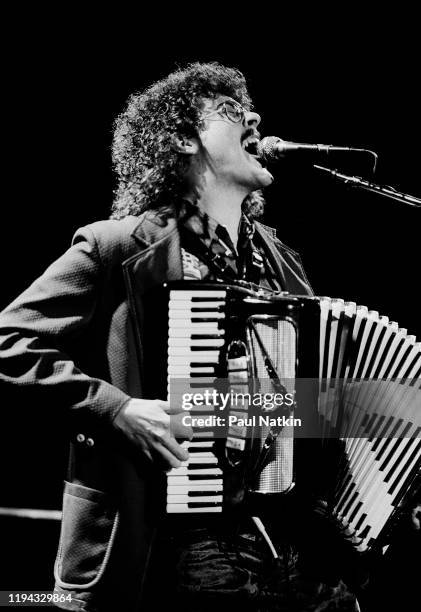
point(370, 395)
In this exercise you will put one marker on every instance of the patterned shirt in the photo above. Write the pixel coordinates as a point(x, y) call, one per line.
point(209, 253)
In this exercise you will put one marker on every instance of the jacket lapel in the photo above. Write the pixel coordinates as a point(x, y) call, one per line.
point(285, 262)
point(158, 259)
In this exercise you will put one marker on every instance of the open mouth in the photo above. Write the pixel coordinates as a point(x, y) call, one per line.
point(250, 145)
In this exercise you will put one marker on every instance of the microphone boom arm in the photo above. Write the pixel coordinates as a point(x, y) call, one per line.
point(384, 190)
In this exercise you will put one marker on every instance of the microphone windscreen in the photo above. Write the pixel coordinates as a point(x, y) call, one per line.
point(266, 148)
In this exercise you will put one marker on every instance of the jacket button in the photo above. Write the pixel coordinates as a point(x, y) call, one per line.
point(80, 438)
point(89, 442)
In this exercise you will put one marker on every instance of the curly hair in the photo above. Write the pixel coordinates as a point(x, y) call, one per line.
point(150, 172)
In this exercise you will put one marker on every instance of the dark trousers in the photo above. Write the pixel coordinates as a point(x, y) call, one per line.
point(220, 564)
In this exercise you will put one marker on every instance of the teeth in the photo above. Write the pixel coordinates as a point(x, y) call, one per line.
point(250, 140)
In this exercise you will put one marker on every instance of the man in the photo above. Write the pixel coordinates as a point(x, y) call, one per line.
point(189, 181)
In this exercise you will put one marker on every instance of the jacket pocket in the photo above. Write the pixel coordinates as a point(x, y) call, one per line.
point(87, 533)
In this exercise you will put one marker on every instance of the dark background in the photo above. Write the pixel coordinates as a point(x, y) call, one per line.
point(351, 82)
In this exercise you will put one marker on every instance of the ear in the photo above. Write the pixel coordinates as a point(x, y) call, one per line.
point(184, 144)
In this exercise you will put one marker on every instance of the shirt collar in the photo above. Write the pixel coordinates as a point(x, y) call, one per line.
point(203, 225)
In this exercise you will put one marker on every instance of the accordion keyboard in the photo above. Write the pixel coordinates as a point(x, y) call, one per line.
point(195, 339)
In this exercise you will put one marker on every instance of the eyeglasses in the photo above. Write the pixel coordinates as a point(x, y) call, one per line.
point(230, 109)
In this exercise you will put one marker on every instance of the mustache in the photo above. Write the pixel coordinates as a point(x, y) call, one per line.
point(250, 132)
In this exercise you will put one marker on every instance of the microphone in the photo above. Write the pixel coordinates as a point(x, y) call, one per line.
point(272, 148)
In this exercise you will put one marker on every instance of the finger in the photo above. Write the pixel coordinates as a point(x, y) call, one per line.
point(178, 429)
point(147, 453)
point(169, 458)
point(139, 442)
point(171, 409)
point(174, 447)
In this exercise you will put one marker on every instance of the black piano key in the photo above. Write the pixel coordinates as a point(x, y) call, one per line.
point(206, 299)
point(205, 348)
point(202, 364)
point(203, 504)
point(205, 337)
point(203, 476)
point(202, 466)
point(203, 493)
point(206, 309)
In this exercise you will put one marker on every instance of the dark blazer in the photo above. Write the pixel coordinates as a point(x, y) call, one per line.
point(71, 337)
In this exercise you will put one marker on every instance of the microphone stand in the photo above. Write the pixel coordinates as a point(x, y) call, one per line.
point(384, 190)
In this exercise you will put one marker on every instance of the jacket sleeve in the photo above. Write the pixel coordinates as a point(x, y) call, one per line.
point(35, 327)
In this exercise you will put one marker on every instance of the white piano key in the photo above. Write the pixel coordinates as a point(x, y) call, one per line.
point(187, 481)
point(186, 499)
point(187, 342)
point(174, 489)
point(186, 471)
point(194, 326)
point(187, 370)
point(187, 332)
point(203, 293)
point(189, 355)
point(184, 509)
point(188, 304)
point(197, 455)
point(191, 444)
point(207, 356)
point(175, 315)
point(202, 458)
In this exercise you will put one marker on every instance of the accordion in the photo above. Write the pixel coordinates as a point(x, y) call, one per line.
point(319, 368)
